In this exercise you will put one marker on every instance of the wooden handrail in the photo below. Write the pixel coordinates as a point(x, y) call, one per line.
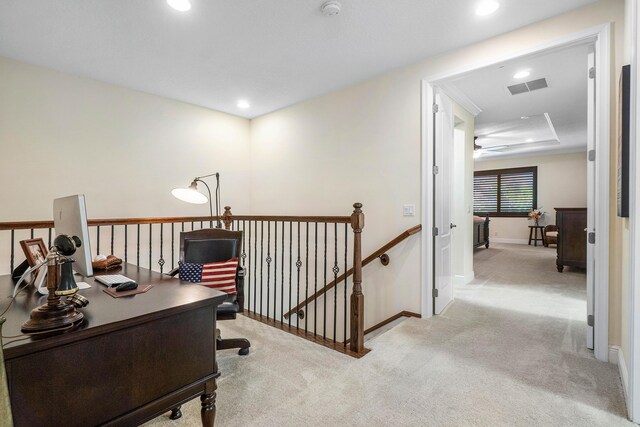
point(27, 225)
point(402, 236)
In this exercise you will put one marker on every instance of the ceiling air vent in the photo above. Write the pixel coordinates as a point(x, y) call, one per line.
point(528, 86)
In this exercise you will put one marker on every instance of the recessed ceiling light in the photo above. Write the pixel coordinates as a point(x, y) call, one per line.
point(487, 7)
point(529, 140)
point(522, 74)
point(243, 104)
point(180, 5)
point(524, 117)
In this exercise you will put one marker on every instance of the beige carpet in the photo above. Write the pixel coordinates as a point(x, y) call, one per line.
point(510, 351)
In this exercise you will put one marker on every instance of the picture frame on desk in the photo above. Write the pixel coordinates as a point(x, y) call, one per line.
point(34, 250)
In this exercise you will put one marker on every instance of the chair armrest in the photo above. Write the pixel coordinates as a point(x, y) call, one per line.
point(173, 272)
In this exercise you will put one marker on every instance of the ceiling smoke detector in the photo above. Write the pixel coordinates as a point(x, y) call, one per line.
point(331, 8)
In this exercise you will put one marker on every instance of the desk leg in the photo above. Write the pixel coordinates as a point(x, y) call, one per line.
point(530, 233)
point(208, 399)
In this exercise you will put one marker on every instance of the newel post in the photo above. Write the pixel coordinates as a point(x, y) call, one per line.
point(227, 217)
point(357, 298)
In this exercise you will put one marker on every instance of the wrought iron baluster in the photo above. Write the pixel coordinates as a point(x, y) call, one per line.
point(290, 264)
point(324, 318)
point(138, 246)
point(315, 283)
point(49, 240)
point(243, 257)
point(261, 261)
point(248, 271)
point(306, 281)
point(150, 243)
point(126, 244)
point(182, 226)
point(200, 225)
point(98, 240)
point(191, 225)
point(298, 265)
point(173, 246)
point(282, 280)
point(336, 269)
point(275, 269)
point(268, 260)
point(32, 233)
point(13, 251)
point(255, 267)
point(345, 285)
point(161, 260)
point(112, 238)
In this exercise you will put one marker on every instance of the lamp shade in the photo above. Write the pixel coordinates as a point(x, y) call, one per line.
point(190, 195)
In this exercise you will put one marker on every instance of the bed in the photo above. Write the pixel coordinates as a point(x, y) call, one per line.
point(480, 231)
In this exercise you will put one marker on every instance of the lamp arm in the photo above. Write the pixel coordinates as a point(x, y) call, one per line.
point(219, 225)
point(210, 205)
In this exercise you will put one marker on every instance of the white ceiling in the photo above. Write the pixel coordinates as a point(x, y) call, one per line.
point(564, 102)
point(273, 53)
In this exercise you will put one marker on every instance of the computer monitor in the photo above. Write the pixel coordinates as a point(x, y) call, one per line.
point(70, 217)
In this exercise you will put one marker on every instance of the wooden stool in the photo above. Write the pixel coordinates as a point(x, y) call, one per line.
point(533, 234)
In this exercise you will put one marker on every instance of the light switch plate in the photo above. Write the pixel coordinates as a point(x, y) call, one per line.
point(409, 210)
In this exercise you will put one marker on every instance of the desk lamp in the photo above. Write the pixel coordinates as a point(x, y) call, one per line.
point(192, 195)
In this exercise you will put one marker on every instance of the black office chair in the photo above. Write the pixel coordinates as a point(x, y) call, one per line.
point(218, 245)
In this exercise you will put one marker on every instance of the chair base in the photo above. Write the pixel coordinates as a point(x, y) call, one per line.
point(225, 344)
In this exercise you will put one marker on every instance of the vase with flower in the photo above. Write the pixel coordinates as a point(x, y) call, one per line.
point(536, 214)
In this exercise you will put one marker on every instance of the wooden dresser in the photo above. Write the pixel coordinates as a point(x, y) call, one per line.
point(572, 237)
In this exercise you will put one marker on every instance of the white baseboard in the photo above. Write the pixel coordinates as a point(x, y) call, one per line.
point(616, 356)
point(613, 354)
point(512, 241)
point(463, 280)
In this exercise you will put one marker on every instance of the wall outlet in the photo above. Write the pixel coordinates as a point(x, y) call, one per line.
point(409, 210)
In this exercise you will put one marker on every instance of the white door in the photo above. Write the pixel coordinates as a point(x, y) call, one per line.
point(443, 182)
point(591, 192)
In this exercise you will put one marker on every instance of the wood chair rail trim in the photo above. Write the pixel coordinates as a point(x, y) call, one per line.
point(381, 251)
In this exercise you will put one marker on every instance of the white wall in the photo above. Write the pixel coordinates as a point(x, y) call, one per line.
point(562, 183)
point(125, 150)
point(363, 143)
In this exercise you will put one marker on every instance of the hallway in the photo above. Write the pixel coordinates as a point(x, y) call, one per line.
point(509, 351)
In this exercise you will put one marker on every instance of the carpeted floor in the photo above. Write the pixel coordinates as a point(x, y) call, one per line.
point(510, 351)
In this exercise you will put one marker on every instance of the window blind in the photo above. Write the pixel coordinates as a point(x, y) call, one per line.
point(505, 192)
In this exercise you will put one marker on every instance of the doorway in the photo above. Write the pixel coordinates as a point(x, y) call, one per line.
point(436, 240)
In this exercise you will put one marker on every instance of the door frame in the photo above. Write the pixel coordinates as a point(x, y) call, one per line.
point(631, 378)
point(601, 37)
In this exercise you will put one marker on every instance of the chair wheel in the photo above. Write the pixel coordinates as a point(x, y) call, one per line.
point(175, 413)
point(243, 351)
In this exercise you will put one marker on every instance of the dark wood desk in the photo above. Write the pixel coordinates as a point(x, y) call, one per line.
point(131, 360)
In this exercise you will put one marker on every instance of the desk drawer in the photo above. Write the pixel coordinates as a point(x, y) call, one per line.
point(93, 381)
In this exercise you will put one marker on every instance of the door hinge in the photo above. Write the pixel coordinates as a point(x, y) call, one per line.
point(435, 170)
point(592, 155)
point(435, 231)
point(592, 237)
point(436, 108)
point(592, 73)
point(435, 292)
point(590, 320)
